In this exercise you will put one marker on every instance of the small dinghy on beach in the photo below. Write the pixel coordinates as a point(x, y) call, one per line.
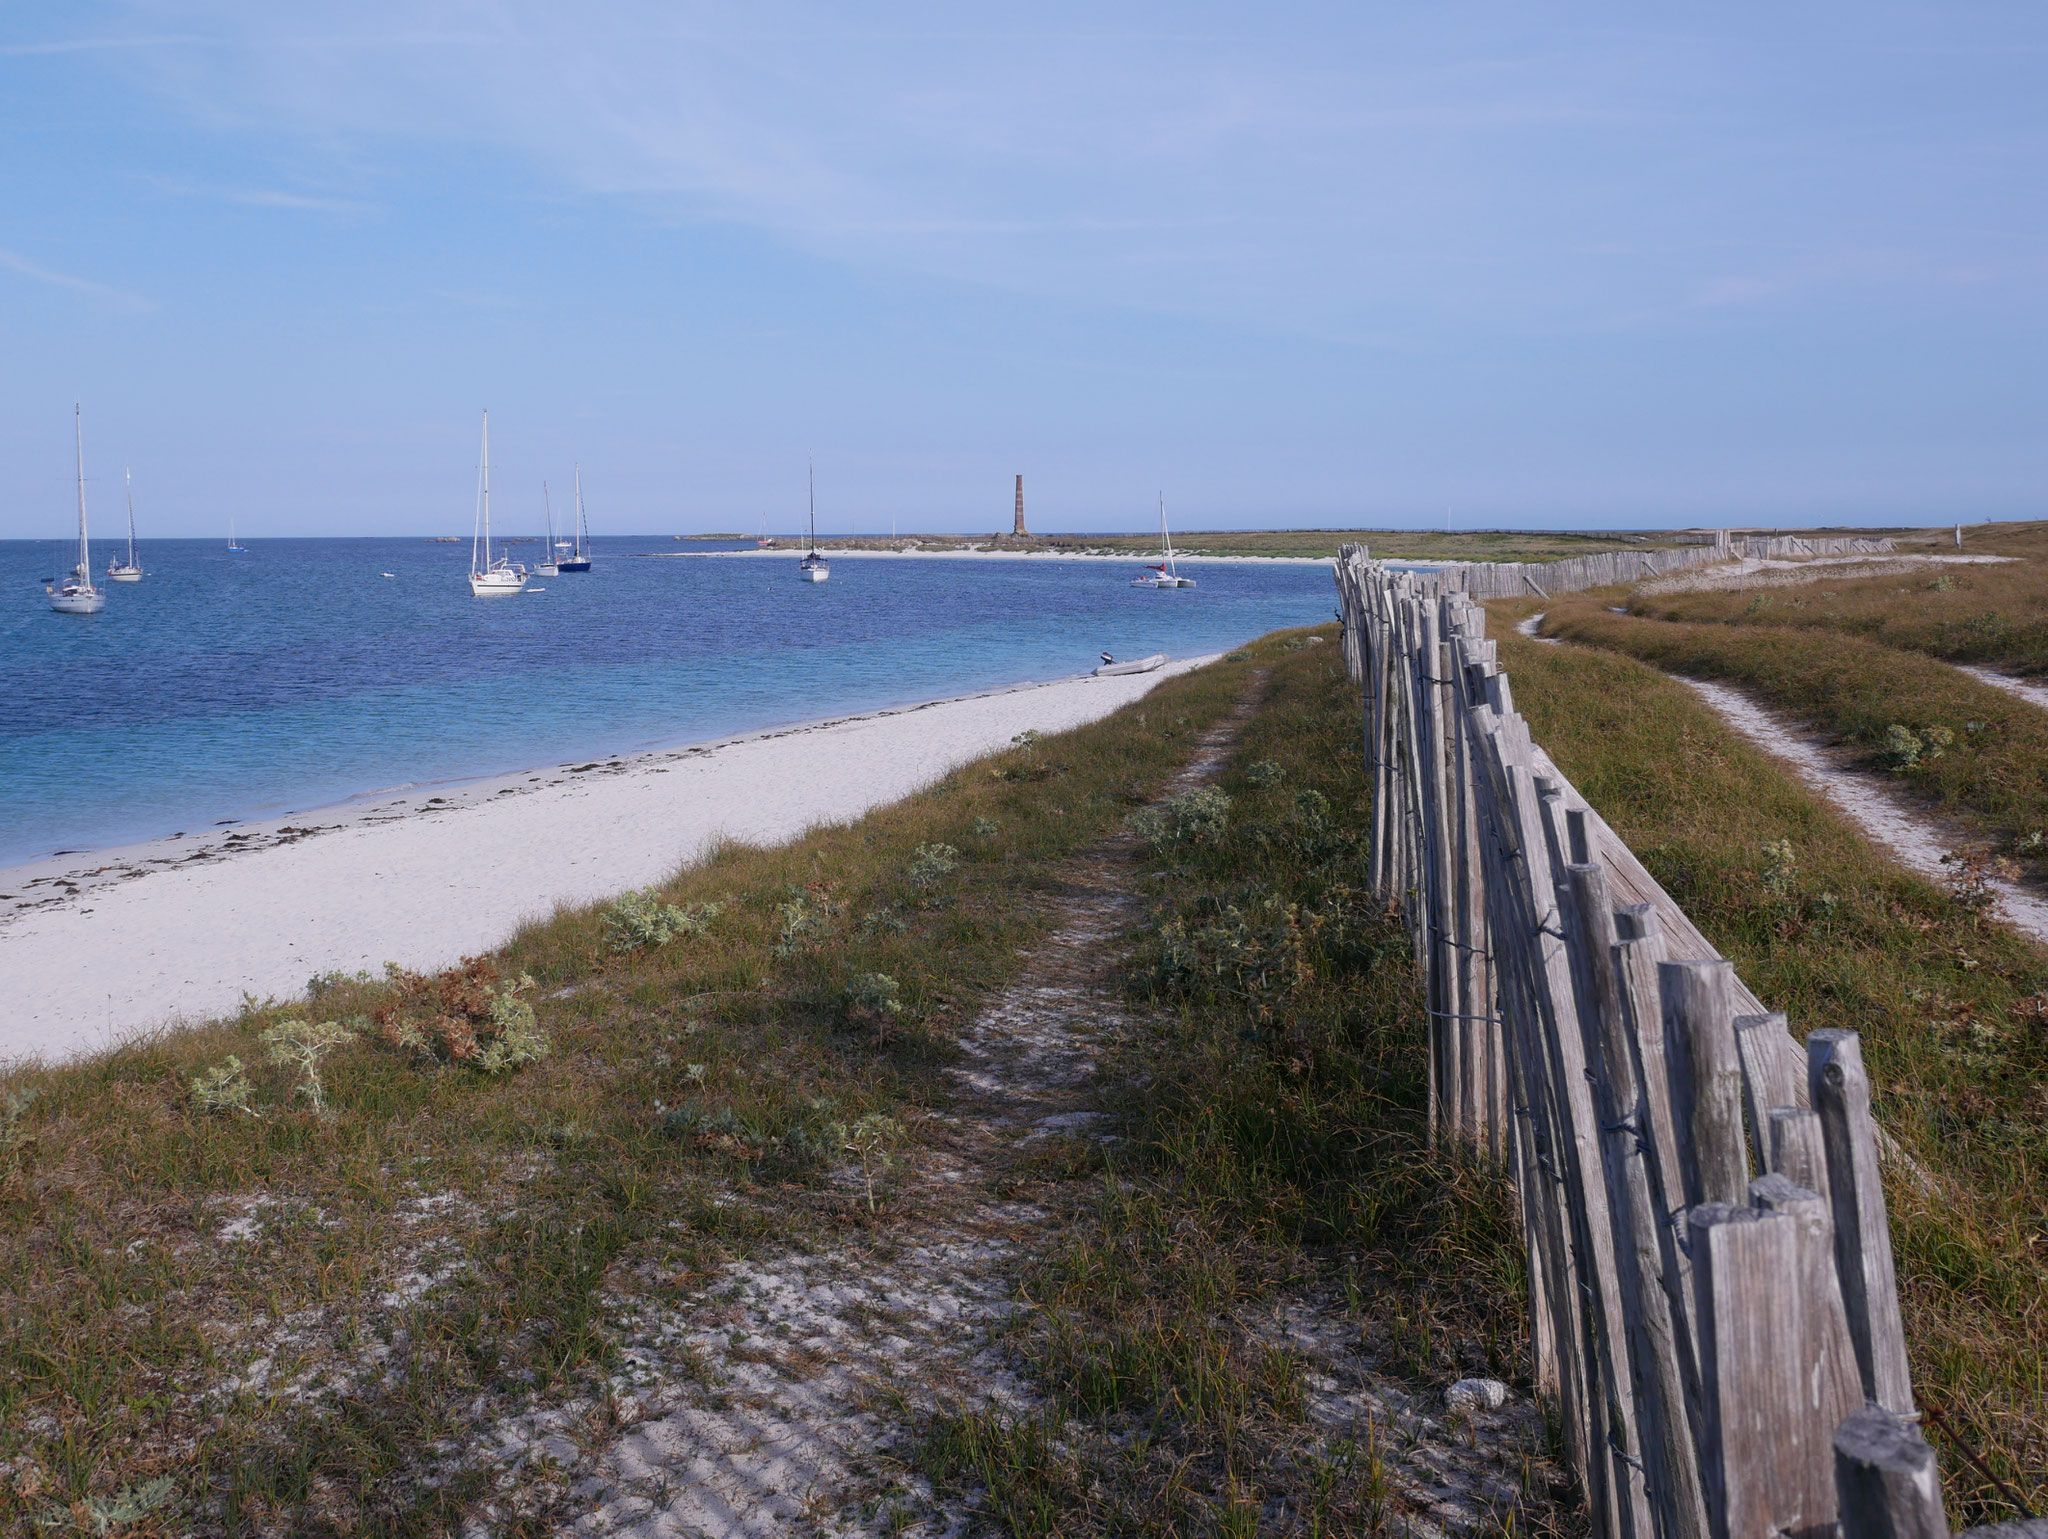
point(1110, 665)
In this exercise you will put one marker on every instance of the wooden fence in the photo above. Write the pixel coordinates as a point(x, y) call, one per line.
point(1542, 579)
point(1714, 1312)
point(1790, 547)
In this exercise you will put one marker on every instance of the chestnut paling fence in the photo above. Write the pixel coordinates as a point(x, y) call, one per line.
point(1713, 1304)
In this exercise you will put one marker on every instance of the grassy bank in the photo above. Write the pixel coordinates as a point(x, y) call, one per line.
point(1994, 615)
point(1272, 1169)
point(1965, 747)
point(1953, 1011)
point(272, 1276)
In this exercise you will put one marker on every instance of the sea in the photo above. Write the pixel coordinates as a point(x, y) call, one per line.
point(298, 674)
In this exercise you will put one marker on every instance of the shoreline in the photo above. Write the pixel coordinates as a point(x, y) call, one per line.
point(834, 553)
point(98, 948)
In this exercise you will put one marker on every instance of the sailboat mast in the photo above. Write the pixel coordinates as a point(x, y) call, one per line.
point(78, 429)
point(810, 470)
point(548, 554)
point(486, 474)
point(129, 477)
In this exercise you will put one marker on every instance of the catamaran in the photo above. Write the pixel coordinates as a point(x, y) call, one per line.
point(578, 560)
point(489, 578)
point(1163, 574)
point(549, 564)
point(75, 595)
point(127, 571)
point(814, 567)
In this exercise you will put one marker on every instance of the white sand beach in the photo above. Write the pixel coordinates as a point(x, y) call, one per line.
point(97, 949)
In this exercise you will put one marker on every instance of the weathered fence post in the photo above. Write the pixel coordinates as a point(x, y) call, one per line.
point(1863, 1238)
point(1886, 1481)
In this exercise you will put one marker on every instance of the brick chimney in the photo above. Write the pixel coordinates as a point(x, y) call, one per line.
point(1020, 530)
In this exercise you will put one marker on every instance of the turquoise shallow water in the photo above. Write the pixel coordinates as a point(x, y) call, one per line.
point(235, 686)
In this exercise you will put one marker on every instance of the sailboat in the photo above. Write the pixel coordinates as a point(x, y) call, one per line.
point(813, 568)
point(579, 559)
point(235, 546)
point(766, 541)
point(127, 571)
point(75, 595)
point(1163, 575)
point(489, 578)
point(548, 565)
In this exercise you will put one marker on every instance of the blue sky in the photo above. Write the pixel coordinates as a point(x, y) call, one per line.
point(1575, 265)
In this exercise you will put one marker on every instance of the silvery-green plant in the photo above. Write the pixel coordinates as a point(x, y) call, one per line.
point(1781, 867)
point(1263, 773)
point(1193, 817)
point(931, 864)
point(806, 917)
point(871, 1140)
point(100, 1515)
point(872, 999)
point(641, 919)
point(985, 828)
point(517, 1037)
point(224, 1088)
point(302, 1045)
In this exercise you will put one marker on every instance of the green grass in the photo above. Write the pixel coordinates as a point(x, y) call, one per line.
point(1953, 1013)
point(1991, 614)
point(1992, 771)
point(684, 1116)
point(1274, 1150)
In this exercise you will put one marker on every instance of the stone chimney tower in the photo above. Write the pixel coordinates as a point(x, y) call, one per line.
point(1020, 530)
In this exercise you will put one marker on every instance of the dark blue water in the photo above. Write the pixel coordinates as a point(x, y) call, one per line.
point(236, 686)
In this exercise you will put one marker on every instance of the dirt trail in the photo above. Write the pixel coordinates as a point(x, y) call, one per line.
point(785, 1397)
point(1919, 840)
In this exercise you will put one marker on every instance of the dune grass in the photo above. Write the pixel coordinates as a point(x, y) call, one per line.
point(1994, 615)
point(1272, 1113)
point(1953, 1010)
point(1965, 747)
point(277, 1316)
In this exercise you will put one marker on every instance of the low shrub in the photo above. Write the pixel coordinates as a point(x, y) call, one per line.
point(304, 1045)
point(467, 1015)
point(225, 1087)
point(933, 863)
point(640, 919)
point(1195, 817)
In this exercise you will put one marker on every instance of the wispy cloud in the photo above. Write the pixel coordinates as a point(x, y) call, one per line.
point(95, 44)
point(120, 299)
point(269, 197)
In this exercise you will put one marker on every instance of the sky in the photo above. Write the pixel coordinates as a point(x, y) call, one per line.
point(1327, 265)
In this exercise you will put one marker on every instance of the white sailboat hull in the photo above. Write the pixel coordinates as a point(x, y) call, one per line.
point(1135, 665)
point(81, 601)
point(125, 574)
point(814, 574)
point(496, 584)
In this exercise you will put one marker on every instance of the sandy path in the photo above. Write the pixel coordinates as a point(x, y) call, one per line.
point(1915, 839)
point(783, 1397)
point(1757, 572)
point(2028, 690)
point(179, 931)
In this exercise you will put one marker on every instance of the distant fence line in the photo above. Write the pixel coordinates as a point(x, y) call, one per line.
point(1546, 579)
point(1713, 1305)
